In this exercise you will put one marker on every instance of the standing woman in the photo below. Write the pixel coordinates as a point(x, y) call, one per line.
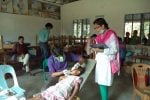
point(104, 56)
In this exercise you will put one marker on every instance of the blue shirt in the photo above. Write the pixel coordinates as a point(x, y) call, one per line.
point(43, 35)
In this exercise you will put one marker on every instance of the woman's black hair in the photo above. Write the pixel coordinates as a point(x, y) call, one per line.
point(101, 21)
point(94, 35)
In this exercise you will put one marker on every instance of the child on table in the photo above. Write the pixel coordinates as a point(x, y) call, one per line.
point(67, 88)
point(68, 85)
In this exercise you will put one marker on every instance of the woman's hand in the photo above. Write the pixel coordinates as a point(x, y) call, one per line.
point(70, 98)
point(97, 50)
point(92, 50)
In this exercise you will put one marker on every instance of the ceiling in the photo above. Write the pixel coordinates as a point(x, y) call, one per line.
point(57, 2)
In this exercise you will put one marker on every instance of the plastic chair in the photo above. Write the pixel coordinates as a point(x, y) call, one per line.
point(17, 91)
point(140, 76)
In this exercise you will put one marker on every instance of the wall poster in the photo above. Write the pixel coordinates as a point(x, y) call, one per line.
point(6, 6)
point(20, 7)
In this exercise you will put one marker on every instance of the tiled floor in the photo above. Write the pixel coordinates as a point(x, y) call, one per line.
point(120, 90)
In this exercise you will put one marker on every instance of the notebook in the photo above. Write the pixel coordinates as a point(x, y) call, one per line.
point(100, 46)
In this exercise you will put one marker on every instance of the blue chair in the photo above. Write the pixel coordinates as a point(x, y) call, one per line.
point(18, 92)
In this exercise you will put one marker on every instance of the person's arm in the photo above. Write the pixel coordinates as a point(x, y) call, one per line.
point(97, 50)
point(61, 78)
point(56, 74)
point(25, 49)
point(75, 91)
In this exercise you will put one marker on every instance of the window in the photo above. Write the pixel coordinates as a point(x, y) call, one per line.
point(81, 27)
point(139, 22)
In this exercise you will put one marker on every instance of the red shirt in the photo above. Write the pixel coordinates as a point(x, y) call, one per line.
point(20, 49)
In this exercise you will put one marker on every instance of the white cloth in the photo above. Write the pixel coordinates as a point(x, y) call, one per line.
point(62, 90)
point(25, 60)
point(66, 72)
point(87, 49)
point(103, 74)
point(77, 65)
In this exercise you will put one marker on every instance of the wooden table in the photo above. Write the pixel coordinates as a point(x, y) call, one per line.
point(2, 56)
point(141, 57)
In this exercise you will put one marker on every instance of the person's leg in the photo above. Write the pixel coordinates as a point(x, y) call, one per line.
point(20, 59)
point(44, 50)
point(104, 92)
point(41, 48)
point(26, 62)
point(14, 57)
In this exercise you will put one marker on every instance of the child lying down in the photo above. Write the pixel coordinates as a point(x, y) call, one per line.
point(66, 89)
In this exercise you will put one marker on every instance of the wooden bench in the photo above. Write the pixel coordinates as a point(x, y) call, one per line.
point(141, 57)
point(89, 67)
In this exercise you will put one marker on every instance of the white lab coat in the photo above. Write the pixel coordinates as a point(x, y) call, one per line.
point(103, 74)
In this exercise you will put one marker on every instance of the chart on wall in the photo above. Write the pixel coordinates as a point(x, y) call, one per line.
point(30, 8)
point(49, 10)
point(35, 8)
point(6, 6)
point(20, 7)
point(41, 9)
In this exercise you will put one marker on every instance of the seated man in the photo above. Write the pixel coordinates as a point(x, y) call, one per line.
point(57, 62)
point(135, 39)
point(20, 53)
point(66, 89)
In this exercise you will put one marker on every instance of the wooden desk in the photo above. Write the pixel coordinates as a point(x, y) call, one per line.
point(2, 56)
point(141, 57)
point(8, 46)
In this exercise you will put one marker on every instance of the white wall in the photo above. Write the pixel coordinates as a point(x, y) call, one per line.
point(11, 26)
point(113, 11)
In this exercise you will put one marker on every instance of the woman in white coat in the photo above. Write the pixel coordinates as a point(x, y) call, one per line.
point(104, 55)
